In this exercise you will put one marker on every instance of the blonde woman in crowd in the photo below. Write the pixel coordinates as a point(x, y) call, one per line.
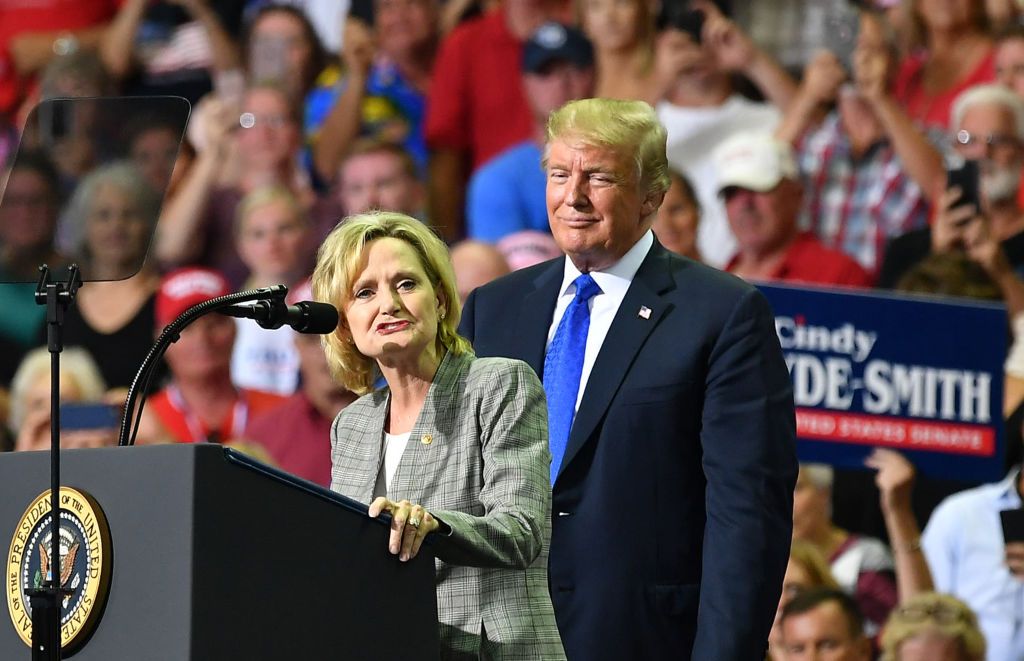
point(933, 626)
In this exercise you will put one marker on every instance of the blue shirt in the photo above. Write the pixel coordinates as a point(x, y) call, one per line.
point(506, 195)
point(392, 109)
point(964, 545)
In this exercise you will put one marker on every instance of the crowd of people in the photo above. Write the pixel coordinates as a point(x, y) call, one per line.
point(832, 171)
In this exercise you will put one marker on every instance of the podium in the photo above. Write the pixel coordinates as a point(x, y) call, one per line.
point(215, 556)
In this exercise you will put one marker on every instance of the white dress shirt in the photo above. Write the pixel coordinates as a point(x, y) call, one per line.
point(963, 543)
point(614, 282)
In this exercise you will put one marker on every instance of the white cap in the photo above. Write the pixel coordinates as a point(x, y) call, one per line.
point(756, 161)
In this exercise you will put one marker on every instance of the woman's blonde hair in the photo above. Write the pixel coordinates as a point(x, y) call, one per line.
point(813, 562)
point(339, 262)
point(629, 127)
point(76, 364)
point(261, 197)
point(921, 614)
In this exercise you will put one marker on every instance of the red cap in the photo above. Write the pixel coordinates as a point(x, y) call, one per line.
point(183, 288)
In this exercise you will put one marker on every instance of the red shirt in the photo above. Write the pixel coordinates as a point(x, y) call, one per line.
point(26, 16)
point(808, 261)
point(297, 437)
point(185, 427)
point(476, 101)
point(933, 110)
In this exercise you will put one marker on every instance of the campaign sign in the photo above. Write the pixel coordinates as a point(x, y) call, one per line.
point(919, 375)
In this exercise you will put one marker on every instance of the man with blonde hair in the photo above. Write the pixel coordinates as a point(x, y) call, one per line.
point(669, 406)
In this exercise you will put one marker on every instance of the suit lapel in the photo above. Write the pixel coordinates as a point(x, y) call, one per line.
point(535, 315)
point(640, 311)
point(363, 458)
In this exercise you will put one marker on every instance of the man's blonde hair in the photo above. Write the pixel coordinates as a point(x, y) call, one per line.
point(630, 127)
point(338, 264)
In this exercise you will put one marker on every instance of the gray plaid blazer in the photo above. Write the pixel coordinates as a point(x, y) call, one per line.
point(477, 459)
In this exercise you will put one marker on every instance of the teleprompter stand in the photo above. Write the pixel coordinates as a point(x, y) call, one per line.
point(46, 599)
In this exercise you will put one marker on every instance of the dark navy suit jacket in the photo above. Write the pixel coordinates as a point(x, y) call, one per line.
point(672, 510)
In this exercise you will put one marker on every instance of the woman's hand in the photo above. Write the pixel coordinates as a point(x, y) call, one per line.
point(895, 477)
point(410, 524)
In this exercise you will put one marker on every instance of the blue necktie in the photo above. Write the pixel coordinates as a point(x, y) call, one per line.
point(563, 366)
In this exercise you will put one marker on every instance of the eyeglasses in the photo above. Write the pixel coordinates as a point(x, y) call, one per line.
point(247, 120)
point(941, 613)
point(991, 141)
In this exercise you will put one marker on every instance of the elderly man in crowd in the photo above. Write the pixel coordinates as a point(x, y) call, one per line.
point(759, 182)
point(670, 409)
point(987, 126)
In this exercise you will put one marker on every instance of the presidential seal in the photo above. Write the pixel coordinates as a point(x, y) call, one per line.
point(83, 568)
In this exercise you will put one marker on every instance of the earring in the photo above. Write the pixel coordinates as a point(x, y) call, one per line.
point(443, 313)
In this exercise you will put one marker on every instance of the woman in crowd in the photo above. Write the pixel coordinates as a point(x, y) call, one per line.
point(453, 445)
point(28, 221)
point(271, 234)
point(108, 225)
point(678, 217)
point(622, 32)
point(236, 154)
point(958, 54)
point(281, 49)
point(862, 566)
point(933, 626)
point(80, 381)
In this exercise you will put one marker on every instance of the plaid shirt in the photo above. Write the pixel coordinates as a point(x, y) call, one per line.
point(856, 205)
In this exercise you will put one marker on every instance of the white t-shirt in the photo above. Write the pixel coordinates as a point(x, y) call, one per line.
point(264, 359)
point(693, 133)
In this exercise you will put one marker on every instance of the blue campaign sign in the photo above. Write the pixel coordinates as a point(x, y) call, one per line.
point(920, 375)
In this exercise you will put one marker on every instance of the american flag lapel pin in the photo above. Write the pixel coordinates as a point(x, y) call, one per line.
point(644, 313)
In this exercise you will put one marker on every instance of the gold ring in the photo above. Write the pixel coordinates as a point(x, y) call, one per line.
point(415, 523)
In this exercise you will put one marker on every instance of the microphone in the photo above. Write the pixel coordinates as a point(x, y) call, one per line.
point(305, 316)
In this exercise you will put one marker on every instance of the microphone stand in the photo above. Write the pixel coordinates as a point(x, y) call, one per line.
point(141, 383)
point(46, 599)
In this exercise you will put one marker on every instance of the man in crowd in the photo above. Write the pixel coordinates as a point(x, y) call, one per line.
point(384, 94)
point(670, 409)
point(200, 404)
point(297, 432)
point(824, 623)
point(701, 107)
point(987, 126)
point(760, 185)
point(476, 108)
point(476, 263)
point(867, 170)
point(970, 559)
point(506, 195)
point(379, 175)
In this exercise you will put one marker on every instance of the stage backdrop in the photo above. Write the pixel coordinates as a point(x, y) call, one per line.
point(921, 375)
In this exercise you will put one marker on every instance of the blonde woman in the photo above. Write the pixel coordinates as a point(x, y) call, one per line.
point(933, 626)
point(452, 445)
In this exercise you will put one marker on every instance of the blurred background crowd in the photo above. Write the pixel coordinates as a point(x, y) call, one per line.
point(810, 140)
